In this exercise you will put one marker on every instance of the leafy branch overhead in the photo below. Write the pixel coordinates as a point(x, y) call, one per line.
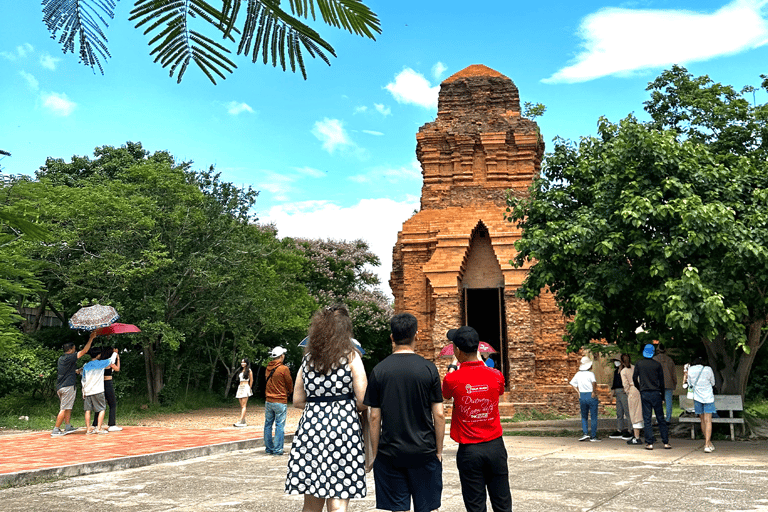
point(199, 32)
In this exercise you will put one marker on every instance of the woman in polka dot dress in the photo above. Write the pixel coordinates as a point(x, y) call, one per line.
point(327, 461)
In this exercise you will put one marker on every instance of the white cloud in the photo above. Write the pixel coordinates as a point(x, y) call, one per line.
point(332, 134)
point(381, 109)
point(412, 171)
point(235, 107)
point(310, 171)
point(620, 41)
point(438, 70)
point(364, 220)
point(279, 185)
point(31, 80)
point(21, 52)
point(48, 62)
point(362, 109)
point(411, 87)
point(372, 132)
point(59, 104)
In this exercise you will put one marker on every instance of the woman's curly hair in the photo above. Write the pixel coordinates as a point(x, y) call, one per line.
point(330, 338)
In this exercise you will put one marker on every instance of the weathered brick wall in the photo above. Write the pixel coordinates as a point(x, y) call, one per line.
point(477, 149)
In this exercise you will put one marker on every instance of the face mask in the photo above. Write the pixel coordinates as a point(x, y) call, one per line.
point(616, 364)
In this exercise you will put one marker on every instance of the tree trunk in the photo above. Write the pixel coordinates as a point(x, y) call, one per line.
point(154, 373)
point(733, 365)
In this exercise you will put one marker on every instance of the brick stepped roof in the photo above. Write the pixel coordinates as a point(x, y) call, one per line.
point(473, 70)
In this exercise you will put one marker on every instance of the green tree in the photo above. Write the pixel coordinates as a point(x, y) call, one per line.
point(339, 272)
point(174, 250)
point(661, 228)
point(17, 271)
point(205, 33)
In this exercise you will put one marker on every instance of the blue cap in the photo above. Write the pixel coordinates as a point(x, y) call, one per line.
point(648, 351)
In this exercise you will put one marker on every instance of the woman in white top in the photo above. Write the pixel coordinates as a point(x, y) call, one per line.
point(701, 379)
point(245, 377)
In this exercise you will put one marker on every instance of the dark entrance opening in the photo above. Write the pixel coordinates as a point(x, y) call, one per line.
point(484, 311)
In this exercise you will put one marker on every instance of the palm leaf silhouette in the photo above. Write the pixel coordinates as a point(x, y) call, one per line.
point(178, 28)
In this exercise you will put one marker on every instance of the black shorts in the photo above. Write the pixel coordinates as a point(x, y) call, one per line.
point(395, 485)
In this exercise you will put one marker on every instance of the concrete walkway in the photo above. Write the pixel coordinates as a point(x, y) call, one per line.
point(546, 474)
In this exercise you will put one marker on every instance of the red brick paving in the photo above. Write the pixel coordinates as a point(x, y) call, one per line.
point(38, 450)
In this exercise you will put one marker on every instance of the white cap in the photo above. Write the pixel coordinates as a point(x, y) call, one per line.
point(277, 352)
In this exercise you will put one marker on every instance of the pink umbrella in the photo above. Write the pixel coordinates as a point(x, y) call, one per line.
point(482, 347)
point(117, 328)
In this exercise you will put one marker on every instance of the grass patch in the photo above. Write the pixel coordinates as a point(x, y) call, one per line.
point(757, 408)
point(534, 415)
point(543, 433)
point(41, 413)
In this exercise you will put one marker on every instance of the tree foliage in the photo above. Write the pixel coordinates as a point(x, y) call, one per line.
point(338, 272)
point(178, 253)
point(205, 33)
point(662, 225)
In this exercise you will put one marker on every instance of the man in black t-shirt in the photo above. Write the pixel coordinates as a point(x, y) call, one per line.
point(407, 424)
point(65, 385)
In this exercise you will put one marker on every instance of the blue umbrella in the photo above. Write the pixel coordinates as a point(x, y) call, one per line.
point(303, 343)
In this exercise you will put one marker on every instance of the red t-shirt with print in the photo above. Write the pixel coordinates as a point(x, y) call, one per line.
point(475, 389)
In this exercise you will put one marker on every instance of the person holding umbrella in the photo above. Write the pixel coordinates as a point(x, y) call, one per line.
point(65, 385)
point(109, 388)
point(93, 389)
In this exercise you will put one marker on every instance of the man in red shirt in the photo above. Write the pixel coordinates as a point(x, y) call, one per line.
point(476, 426)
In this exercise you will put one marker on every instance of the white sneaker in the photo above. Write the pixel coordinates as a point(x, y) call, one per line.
point(115, 428)
point(584, 438)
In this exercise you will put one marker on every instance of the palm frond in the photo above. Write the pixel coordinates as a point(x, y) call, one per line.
point(351, 15)
point(272, 34)
point(84, 20)
point(176, 43)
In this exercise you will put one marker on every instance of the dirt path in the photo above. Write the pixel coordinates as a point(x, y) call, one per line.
point(215, 418)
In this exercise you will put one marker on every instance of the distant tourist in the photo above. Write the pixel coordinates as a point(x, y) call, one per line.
point(701, 378)
point(279, 386)
point(92, 377)
point(476, 426)
point(648, 378)
point(65, 385)
point(327, 460)
point(670, 379)
point(407, 424)
point(244, 389)
point(633, 398)
point(584, 383)
point(623, 422)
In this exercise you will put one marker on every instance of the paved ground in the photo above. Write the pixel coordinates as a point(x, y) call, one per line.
point(546, 474)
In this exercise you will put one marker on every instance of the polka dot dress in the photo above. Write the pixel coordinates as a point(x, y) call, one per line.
point(327, 458)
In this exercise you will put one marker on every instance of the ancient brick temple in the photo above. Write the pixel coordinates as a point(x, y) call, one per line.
point(451, 261)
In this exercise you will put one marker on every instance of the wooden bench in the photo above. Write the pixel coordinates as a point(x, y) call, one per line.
point(728, 403)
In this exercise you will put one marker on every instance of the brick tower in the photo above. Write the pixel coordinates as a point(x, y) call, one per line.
point(451, 260)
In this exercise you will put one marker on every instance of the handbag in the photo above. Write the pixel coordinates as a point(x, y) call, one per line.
point(690, 388)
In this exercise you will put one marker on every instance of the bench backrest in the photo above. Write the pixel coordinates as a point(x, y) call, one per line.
point(722, 403)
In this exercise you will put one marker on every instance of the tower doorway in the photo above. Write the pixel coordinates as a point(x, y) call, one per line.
point(484, 312)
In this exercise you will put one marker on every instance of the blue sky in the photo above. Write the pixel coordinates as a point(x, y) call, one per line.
point(334, 156)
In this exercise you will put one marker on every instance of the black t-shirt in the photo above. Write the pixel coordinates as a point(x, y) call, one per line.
point(66, 371)
point(648, 375)
point(404, 387)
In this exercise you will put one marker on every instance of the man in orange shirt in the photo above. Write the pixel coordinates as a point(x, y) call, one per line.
point(279, 386)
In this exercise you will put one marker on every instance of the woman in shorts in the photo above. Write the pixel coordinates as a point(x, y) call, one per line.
point(245, 379)
point(701, 379)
